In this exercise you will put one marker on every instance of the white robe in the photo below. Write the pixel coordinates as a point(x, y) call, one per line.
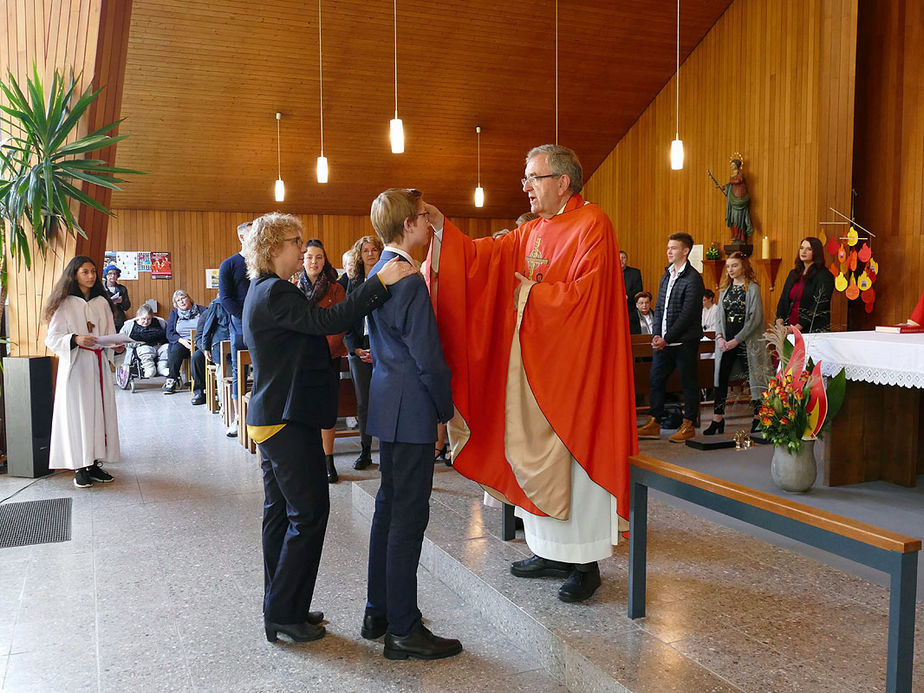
point(84, 426)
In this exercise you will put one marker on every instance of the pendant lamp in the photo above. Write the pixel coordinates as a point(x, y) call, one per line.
point(280, 186)
point(322, 160)
point(677, 144)
point(479, 191)
point(396, 126)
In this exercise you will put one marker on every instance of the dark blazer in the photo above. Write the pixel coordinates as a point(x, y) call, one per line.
point(409, 392)
point(172, 335)
point(684, 309)
point(354, 337)
point(815, 304)
point(292, 377)
point(632, 276)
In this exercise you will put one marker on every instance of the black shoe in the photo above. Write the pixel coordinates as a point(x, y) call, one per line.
point(96, 473)
point(198, 399)
point(82, 478)
point(755, 426)
point(332, 477)
point(440, 453)
point(715, 427)
point(540, 567)
point(365, 457)
point(315, 617)
point(374, 627)
point(581, 584)
point(420, 643)
point(299, 632)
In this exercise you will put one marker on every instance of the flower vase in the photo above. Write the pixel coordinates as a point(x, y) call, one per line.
point(794, 473)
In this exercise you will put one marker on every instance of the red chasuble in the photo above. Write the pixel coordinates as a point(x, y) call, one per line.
point(574, 339)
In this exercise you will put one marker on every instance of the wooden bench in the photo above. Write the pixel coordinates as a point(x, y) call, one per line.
point(224, 384)
point(243, 399)
point(878, 548)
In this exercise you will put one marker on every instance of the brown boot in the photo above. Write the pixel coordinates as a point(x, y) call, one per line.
point(685, 432)
point(650, 429)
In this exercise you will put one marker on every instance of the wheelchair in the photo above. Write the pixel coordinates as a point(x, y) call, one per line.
point(131, 370)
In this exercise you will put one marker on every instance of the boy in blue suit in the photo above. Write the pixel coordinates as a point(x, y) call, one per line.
point(408, 396)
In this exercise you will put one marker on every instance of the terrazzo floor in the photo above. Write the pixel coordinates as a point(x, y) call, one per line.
point(160, 589)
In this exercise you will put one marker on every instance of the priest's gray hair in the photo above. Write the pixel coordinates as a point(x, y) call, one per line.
point(562, 161)
point(268, 233)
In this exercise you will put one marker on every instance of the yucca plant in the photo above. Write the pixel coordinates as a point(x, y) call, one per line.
point(41, 172)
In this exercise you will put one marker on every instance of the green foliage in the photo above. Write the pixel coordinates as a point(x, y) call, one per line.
point(41, 173)
point(837, 388)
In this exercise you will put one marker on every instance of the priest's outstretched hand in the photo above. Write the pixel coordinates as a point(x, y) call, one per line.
point(436, 216)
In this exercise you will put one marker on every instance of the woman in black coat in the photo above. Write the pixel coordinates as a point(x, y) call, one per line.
point(294, 396)
point(805, 301)
point(117, 295)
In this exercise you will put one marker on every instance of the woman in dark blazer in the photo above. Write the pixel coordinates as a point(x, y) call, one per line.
point(806, 297)
point(361, 259)
point(294, 396)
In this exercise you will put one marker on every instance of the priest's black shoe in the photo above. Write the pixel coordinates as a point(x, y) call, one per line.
point(540, 567)
point(374, 627)
point(299, 632)
point(420, 643)
point(581, 584)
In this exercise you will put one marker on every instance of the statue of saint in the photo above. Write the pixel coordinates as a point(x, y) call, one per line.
point(738, 201)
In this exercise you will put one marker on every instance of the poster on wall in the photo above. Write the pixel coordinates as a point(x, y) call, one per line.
point(128, 263)
point(109, 258)
point(144, 262)
point(211, 278)
point(160, 266)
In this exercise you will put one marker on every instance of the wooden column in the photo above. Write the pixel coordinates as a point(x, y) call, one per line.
point(89, 37)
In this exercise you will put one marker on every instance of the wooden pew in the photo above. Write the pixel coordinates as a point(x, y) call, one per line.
point(225, 382)
point(243, 399)
point(878, 548)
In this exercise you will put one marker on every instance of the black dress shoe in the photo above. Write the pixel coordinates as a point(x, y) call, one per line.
point(374, 627)
point(363, 461)
point(420, 643)
point(540, 567)
point(581, 584)
point(315, 617)
point(198, 399)
point(299, 632)
point(332, 476)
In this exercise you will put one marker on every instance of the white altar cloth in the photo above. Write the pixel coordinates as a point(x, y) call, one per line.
point(881, 358)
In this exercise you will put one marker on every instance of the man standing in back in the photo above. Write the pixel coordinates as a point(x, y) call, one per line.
point(232, 290)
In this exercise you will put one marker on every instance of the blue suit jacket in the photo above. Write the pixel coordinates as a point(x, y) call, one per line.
point(409, 392)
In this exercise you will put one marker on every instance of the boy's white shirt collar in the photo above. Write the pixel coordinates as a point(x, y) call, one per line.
point(402, 253)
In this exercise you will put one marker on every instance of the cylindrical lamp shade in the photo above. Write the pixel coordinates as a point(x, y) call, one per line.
point(280, 190)
point(397, 136)
point(479, 196)
point(322, 169)
point(677, 154)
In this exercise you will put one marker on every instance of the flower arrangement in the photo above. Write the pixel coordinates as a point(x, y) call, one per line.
point(796, 405)
point(712, 253)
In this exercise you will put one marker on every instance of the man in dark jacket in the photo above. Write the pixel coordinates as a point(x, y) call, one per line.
point(213, 329)
point(632, 276)
point(676, 334)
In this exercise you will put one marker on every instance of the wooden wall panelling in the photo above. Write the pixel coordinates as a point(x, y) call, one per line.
point(198, 241)
point(765, 81)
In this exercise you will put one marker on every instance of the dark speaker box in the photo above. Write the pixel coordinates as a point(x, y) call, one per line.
point(29, 396)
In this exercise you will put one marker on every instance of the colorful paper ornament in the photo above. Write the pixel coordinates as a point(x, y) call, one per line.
point(852, 260)
point(852, 237)
point(835, 269)
point(868, 307)
point(863, 281)
point(869, 295)
point(833, 245)
point(853, 291)
point(842, 254)
point(822, 236)
point(840, 282)
point(872, 266)
point(865, 253)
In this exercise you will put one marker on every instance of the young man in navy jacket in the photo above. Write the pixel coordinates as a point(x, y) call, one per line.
point(408, 396)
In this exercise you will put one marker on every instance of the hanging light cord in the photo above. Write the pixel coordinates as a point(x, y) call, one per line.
point(478, 132)
point(396, 57)
point(278, 150)
point(677, 73)
point(321, 76)
point(556, 71)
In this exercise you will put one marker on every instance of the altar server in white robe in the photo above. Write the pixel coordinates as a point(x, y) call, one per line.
point(84, 429)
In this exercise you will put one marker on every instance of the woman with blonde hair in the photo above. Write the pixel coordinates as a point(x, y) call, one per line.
point(294, 396)
point(739, 352)
point(362, 258)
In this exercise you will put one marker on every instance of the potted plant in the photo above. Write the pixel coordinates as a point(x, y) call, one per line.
point(797, 407)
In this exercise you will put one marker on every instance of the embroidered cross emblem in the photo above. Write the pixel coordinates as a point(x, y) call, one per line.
point(535, 259)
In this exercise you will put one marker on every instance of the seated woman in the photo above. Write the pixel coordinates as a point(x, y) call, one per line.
point(151, 334)
point(318, 281)
point(739, 351)
point(183, 320)
point(805, 301)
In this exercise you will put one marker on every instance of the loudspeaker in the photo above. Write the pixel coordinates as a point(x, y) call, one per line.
point(29, 399)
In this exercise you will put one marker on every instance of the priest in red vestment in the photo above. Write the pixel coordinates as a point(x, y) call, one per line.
point(535, 329)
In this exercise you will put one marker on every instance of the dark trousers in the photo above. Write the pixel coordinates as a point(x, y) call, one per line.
point(176, 354)
point(725, 369)
point(402, 510)
point(361, 373)
point(236, 333)
point(684, 358)
point(197, 371)
point(295, 509)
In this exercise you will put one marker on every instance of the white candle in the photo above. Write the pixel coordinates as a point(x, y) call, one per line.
point(765, 248)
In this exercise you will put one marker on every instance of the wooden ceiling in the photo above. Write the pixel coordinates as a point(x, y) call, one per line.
point(204, 79)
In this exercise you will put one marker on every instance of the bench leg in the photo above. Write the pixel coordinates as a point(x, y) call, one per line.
point(508, 523)
point(638, 548)
point(901, 623)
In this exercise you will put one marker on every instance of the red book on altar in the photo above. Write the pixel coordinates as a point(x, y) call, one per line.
point(900, 329)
